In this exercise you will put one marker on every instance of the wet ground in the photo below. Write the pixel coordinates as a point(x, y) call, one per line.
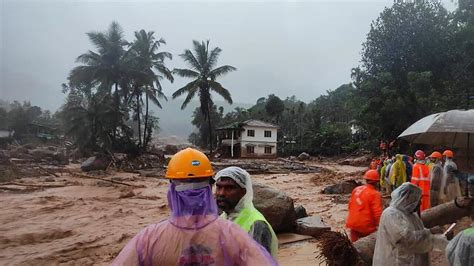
point(88, 221)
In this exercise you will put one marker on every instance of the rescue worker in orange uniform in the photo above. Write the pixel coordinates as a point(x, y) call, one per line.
point(365, 207)
point(421, 178)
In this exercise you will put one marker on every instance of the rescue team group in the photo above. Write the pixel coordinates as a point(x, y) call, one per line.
point(195, 234)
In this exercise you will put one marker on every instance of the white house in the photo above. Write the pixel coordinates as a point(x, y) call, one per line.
point(248, 139)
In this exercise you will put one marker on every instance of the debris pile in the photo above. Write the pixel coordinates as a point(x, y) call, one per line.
point(363, 160)
point(31, 161)
point(324, 176)
point(278, 166)
point(123, 162)
point(337, 249)
point(304, 156)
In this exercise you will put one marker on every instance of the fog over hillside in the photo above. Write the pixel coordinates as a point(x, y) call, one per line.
point(177, 122)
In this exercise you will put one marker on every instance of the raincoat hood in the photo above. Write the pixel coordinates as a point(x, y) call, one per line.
point(193, 208)
point(406, 197)
point(242, 178)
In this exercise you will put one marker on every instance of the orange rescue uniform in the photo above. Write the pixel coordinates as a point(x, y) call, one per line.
point(365, 209)
point(420, 177)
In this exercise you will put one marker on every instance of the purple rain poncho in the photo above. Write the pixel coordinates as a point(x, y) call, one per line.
point(193, 235)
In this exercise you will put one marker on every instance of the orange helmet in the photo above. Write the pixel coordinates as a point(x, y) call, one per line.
point(372, 175)
point(448, 153)
point(189, 163)
point(420, 155)
point(436, 154)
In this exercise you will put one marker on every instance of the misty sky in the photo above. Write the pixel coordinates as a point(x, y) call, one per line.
point(300, 48)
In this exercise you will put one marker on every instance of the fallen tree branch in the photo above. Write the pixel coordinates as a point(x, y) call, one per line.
point(104, 179)
point(46, 170)
point(30, 189)
point(33, 185)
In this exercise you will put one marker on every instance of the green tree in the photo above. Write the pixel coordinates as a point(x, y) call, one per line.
point(338, 99)
point(201, 137)
point(204, 73)
point(87, 120)
point(463, 69)
point(274, 107)
point(104, 69)
point(406, 62)
point(149, 62)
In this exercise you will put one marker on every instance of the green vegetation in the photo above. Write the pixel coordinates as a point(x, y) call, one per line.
point(104, 106)
point(23, 119)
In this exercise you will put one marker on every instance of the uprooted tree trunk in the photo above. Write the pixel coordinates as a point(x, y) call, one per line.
point(440, 215)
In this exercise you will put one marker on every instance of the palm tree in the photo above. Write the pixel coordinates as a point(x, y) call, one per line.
point(105, 68)
point(204, 74)
point(145, 58)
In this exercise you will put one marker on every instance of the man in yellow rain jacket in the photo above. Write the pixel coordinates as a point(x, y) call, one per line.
point(398, 174)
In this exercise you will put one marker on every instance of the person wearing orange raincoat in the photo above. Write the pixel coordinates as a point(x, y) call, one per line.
point(421, 178)
point(365, 207)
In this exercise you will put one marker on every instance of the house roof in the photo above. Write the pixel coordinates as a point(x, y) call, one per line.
point(258, 123)
point(250, 122)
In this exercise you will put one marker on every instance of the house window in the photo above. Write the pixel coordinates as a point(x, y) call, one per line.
point(268, 134)
point(250, 149)
point(268, 150)
point(251, 133)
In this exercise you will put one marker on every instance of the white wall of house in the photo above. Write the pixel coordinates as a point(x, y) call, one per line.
point(259, 134)
point(259, 141)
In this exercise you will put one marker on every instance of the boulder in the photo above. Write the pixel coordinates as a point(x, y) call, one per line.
point(311, 226)
point(345, 187)
point(95, 163)
point(304, 156)
point(277, 207)
point(300, 212)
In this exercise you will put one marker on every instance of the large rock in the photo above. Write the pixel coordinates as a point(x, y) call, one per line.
point(277, 207)
point(300, 212)
point(303, 156)
point(311, 226)
point(345, 187)
point(95, 163)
